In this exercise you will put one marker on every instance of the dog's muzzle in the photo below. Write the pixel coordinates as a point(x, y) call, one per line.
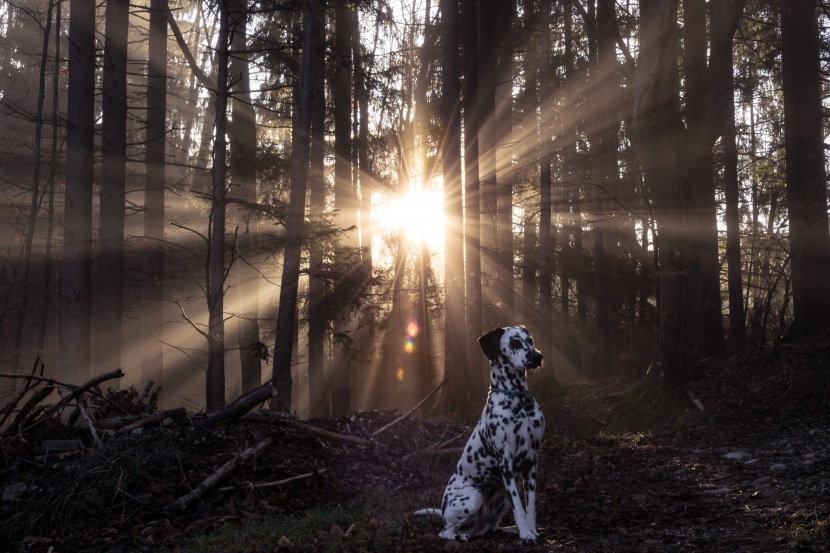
point(533, 360)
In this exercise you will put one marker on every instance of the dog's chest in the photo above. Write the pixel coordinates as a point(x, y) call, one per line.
point(513, 423)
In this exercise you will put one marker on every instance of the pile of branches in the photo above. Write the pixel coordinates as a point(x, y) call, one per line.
point(110, 465)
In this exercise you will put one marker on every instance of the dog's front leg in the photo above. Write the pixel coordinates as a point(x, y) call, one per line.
point(530, 488)
point(527, 535)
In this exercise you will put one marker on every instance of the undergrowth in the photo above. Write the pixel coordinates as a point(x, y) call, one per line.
point(376, 523)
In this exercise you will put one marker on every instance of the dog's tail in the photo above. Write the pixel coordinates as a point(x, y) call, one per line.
point(435, 512)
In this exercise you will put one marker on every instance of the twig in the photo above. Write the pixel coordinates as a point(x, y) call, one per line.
point(270, 416)
point(241, 405)
point(48, 380)
point(417, 405)
point(36, 398)
point(211, 481)
point(431, 448)
point(10, 406)
point(693, 399)
point(791, 382)
point(117, 373)
point(153, 419)
point(145, 391)
point(252, 486)
point(82, 408)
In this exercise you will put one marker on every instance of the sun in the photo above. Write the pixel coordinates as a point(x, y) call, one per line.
point(419, 214)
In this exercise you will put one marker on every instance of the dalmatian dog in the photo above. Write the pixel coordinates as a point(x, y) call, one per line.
point(502, 449)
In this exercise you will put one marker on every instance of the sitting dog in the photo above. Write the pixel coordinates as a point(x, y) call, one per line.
point(502, 449)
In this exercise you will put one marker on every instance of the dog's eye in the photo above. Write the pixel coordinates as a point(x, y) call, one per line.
point(515, 343)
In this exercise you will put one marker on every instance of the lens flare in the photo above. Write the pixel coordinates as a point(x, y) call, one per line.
point(409, 346)
point(412, 329)
point(400, 374)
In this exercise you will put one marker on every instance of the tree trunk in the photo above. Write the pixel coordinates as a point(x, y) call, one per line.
point(737, 317)
point(344, 198)
point(216, 273)
point(113, 184)
point(455, 349)
point(36, 195)
point(286, 316)
point(806, 186)
point(152, 318)
point(76, 271)
point(472, 200)
point(487, 162)
point(50, 186)
point(546, 243)
point(504, 158)
point(243, 132)
point(319, 389)
point(657, 128)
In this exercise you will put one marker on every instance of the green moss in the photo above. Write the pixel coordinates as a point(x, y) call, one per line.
point(376, 523)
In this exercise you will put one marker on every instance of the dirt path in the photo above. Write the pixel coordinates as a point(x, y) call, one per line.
point(760, 485)
point(618, 472)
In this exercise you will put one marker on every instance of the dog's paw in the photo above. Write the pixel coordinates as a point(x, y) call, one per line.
point(529, 540)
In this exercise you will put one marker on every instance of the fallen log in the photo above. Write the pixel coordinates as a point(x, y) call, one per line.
point(259, 485)
point(437, 448)
point(77, 391)
point(116, 422)
point(213, 480)
point(241, 405)
point(145, 391)
point(417, 405)
point(285, 418)
point(11, 405)
point(27, 408)
point(694, 400)
point(153, 420)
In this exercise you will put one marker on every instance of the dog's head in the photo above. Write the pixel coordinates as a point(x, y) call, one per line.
point(514, 344)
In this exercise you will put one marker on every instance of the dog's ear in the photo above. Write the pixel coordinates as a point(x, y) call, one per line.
point(491, 343)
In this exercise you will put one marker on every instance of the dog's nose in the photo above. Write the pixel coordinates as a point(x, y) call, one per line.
point(535, 359)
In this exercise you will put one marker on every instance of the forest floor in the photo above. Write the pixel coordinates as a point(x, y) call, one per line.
point(624, 467)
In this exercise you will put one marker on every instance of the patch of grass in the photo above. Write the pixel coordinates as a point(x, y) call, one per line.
point(376, 523)
point(811, 528)
point(648, 406)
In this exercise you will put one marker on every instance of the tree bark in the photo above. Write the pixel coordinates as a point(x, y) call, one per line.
point(113, 183)
point(503, 127)
point(243, 133)
point(806, 186)
point(466, 374)
point(319, 388)
point(76, 271)
point(289, 281)
point(657, 128)
point(36, 194)
point(152, 318)
point(215, 267)
point(487, 162)
point(344, 196)
point(455, 349)
point(546, 242)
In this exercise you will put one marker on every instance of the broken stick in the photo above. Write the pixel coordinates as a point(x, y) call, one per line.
point(153, 419)
point(241, 405)
point(213, 480)
point(285, 418)
point(417, 405)
point(117, 373)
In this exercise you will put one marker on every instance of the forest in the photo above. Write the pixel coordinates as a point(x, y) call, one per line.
point(247, 249)
point(340, 197)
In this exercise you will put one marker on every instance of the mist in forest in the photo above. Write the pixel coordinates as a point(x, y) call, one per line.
point(340, 197)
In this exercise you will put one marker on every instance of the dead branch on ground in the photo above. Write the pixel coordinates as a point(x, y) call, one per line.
point(417, 405)
point(213, 480)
